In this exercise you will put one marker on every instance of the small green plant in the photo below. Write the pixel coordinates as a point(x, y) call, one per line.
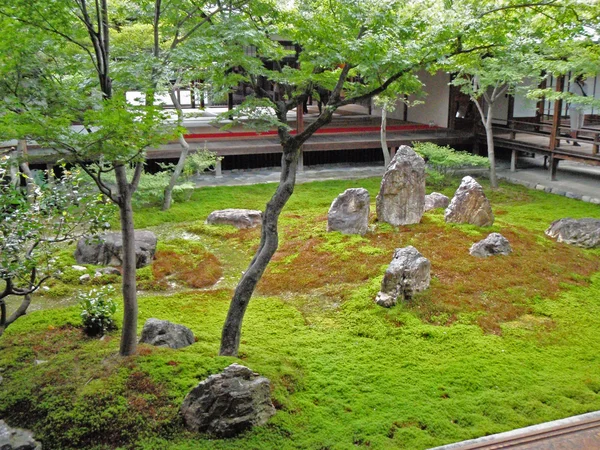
point(97, 310)
point(443, 161)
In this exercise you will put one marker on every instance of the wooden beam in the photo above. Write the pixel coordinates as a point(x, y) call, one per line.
point(553, 167)
point(513, 161)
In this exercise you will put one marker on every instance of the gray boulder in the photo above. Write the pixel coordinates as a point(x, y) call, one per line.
point(436, 200)
point(162, 333)
point(17, 439)
point(228, 403)
point(470, 205)
point(579, 232)
point(349, 212)
point(401, 197)
point(494, 244)
point(107, 249)
point(408, 273)
point(239, 218)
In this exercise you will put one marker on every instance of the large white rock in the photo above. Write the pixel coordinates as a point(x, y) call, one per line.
point(401, 197)
point(239, 218)
point(408, 273)
point(470, 205)
point(494, 244)
point(228, 403)
point(436, 200)
point(162, 333)
point(349, 212)
point(107, 249)
point(17, 438)
point(579, 232)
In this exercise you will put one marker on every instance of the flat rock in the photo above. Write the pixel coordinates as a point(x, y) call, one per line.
point(349, 212)
point(228, 403)
point(17, 438)
point(162, 333)
point(239, 218)
point(83, 279)
point(579, 232)
point(107, 249)
point(401, 197)
point(79, 268)
point(109, 271)
point(494, 244)
point(470, 205)
point(408, 273)
point(436, 200)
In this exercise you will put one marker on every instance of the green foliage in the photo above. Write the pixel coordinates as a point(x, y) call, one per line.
point(446, 159)
point(199, 161)
point(97, 310)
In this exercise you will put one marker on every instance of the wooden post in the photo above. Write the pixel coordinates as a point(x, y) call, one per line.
point(218, 169)
point(596, 144)
point(393, 151)
point(513, 133)
point(513, 161)
point(553, 167)
point(554, 142)
point(230, 101)
point(50, 172)
point(300, 129)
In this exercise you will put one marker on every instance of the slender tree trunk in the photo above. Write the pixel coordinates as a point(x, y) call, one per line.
point(230, 339)
point(130, 308)
point(489, 136)
point(185, 149)
point(383, 137)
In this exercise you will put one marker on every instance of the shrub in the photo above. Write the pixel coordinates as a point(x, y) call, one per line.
point(97, 310)
point(443, 161)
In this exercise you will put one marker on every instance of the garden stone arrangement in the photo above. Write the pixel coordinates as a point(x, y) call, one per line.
point(583, 233)
point(494, 244)
point(401, 196)
point(162, 333)
point(17, 438)
point(436, 200)
point(228, 403)
point(349, 212)
point(407, 274)
point(239, 218)
point(107, 249)
point(470, 205)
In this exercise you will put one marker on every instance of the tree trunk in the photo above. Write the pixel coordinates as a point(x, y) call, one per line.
point(130, 308)
point(21, 311)
point(185, 149)
point(22, 153)
point(383, 137)
point(230, 339)
point(489, 135)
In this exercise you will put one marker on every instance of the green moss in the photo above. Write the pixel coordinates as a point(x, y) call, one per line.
point(345, 372)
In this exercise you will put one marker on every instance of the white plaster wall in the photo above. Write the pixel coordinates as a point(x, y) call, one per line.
point(436, 102)
point(524, 107)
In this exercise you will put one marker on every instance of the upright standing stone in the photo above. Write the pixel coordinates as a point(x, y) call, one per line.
point(401, 197)
point(470, 205)
point(408, 273)
point(579, 232)
point(228, 403)
point(349, 212)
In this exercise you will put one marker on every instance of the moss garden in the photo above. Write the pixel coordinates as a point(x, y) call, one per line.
point(494, 344)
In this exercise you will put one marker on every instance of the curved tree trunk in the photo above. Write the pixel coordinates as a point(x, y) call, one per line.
point(130, 309)
point(185, 149)
point(20, 311)
point(383, 137)
point(230, 339)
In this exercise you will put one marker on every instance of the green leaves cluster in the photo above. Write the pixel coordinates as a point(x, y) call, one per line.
point(97, 310)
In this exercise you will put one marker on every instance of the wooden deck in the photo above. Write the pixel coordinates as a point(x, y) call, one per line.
point(531, 141)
